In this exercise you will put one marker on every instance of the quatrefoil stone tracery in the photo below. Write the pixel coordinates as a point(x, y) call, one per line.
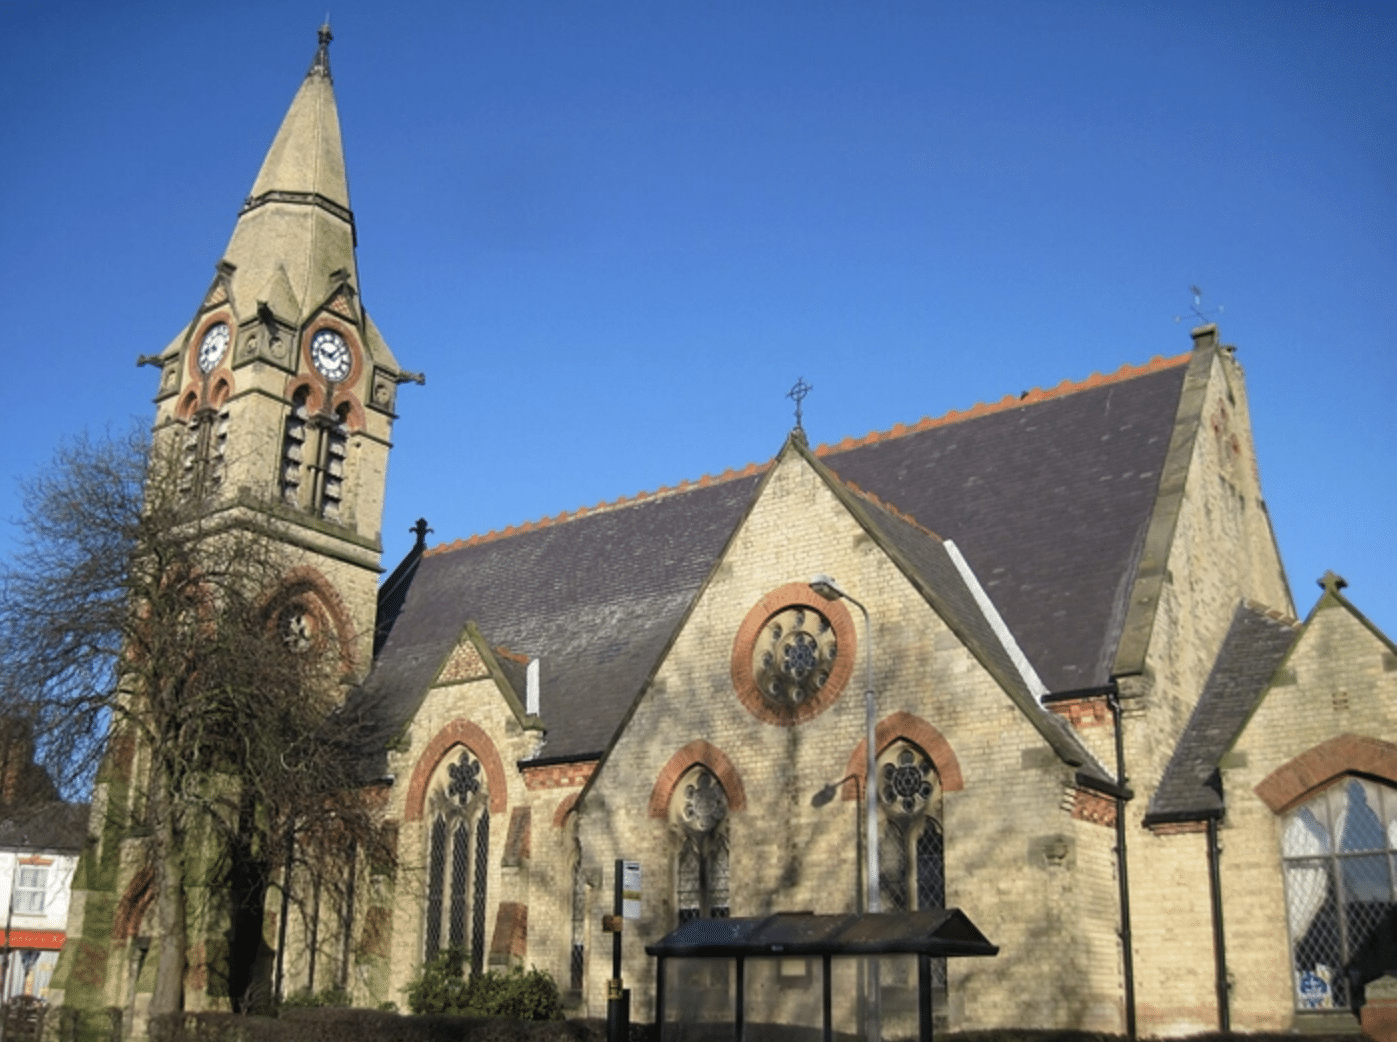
point(464, 779)
point(705, 804)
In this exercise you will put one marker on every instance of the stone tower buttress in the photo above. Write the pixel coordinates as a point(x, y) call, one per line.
point(280, 392)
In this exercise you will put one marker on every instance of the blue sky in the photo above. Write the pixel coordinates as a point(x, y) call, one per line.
point(614, 234)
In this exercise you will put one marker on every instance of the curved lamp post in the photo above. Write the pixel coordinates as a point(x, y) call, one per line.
point(829, 589)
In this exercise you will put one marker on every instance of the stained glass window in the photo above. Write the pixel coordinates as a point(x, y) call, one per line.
point(699, 808)
point(1338, 860)
point(458, 859)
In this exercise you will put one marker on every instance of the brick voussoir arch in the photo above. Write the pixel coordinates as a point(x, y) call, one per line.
point(697, 752)
point(1302, 775)
point(916, 730)
point(458, 732)
point(791, 595)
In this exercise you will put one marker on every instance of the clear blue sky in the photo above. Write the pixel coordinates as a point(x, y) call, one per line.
point(614, 234)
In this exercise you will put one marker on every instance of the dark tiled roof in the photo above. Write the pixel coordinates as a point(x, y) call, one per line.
point(596, 599)
point(55, 827)
point(1048, 500)
point(1255, 646)
point(928, 563)
point(1048, 497)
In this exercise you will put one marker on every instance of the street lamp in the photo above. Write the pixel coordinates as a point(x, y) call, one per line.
point(831, 591)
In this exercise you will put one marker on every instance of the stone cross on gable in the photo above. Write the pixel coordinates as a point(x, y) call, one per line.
point(798, 393)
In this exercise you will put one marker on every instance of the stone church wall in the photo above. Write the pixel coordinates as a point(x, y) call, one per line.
point(1006, 810)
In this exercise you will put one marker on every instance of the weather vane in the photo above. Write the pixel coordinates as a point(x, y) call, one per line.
point(1197, 309)
point(798, 393)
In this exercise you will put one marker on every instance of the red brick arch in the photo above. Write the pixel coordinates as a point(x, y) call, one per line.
point(740, 663)
point(565, 807)
point(913, 729)
point(458, 732)
point(131, 909)
point(697, 752)
point(309, 584)
point(1318, 766)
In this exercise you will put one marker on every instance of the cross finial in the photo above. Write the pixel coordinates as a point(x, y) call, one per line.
point(320, 65)
point(1331, 582)
point(420, 530)
point(798, 393)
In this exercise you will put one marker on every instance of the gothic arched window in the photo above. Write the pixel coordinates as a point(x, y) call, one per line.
point(912, 868)
point(294, 446)
point(458, 858)
point(1338, 860)
point(699, 809)
point(911, 863)
point(577, 962)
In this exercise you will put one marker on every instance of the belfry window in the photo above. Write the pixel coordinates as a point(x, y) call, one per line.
point(458, 860)
point(699, 809)
point(315, 447)
point(1338, 860)
point(294, 447)
point(205, 450)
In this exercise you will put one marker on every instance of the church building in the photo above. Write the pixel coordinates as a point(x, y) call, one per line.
point(1104, 729)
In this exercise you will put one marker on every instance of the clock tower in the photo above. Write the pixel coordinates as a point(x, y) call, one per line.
point(279, 394)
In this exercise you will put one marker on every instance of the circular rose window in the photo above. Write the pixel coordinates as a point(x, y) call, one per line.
point(793, 655)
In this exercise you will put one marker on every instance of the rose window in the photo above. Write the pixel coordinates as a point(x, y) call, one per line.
point(793, 656)
point(464, 778)
point(905, 783)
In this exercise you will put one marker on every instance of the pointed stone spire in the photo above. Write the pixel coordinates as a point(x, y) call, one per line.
point(298, 216)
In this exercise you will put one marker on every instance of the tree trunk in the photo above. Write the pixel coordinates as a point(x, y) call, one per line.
point(168, 994)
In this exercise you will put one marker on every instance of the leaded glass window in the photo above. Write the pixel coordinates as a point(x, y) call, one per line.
point(458, 858)
point(699, 808)
point(577, 962)
point(911, 852)
point(1338, 860)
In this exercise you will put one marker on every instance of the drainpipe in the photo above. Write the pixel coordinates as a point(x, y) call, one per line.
point(1123, 884)
point(1220, 955)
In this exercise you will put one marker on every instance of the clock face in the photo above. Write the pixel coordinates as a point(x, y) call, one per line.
point(213, 347)
point(330, 355)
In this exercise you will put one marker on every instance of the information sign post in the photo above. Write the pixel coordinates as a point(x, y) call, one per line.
point(626, 904)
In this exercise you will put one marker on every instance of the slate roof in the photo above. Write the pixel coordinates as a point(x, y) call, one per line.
point(1048, 496)
point(596, 599)
point(1048, 500)
point(55, 827)
point(1257, 642)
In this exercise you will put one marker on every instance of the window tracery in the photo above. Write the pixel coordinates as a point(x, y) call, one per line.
point(912, 864)
point(699, 809)
point(458, 859)
point(1338, 862)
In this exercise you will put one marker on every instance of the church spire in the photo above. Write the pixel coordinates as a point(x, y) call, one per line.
point(297, 217)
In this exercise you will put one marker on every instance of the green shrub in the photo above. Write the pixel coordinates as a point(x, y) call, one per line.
point(335, 997)
point(443, 988)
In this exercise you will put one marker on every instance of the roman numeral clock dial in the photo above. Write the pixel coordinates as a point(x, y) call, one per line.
point(330, 355)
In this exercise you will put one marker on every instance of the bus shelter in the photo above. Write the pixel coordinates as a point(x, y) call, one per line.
point(785, 977)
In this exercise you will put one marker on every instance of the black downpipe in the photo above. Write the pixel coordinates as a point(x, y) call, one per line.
point(1123, 884)
point(1220, 954)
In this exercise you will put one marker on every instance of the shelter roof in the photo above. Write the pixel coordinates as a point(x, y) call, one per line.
point(936, 931)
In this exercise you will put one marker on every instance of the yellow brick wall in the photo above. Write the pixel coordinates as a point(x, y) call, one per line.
point(1336, 655)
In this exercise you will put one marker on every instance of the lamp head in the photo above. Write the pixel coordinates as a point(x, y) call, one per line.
point(827, 587)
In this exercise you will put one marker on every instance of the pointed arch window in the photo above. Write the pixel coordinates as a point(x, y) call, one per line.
point(577, 962)
point(205, 451)
point(912, 863)
point(699, 810)
point(294, 446)
point(1338, 862)
point(458, 859)
point(315, 451)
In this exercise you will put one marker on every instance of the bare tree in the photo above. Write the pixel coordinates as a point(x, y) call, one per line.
point(143, 620)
